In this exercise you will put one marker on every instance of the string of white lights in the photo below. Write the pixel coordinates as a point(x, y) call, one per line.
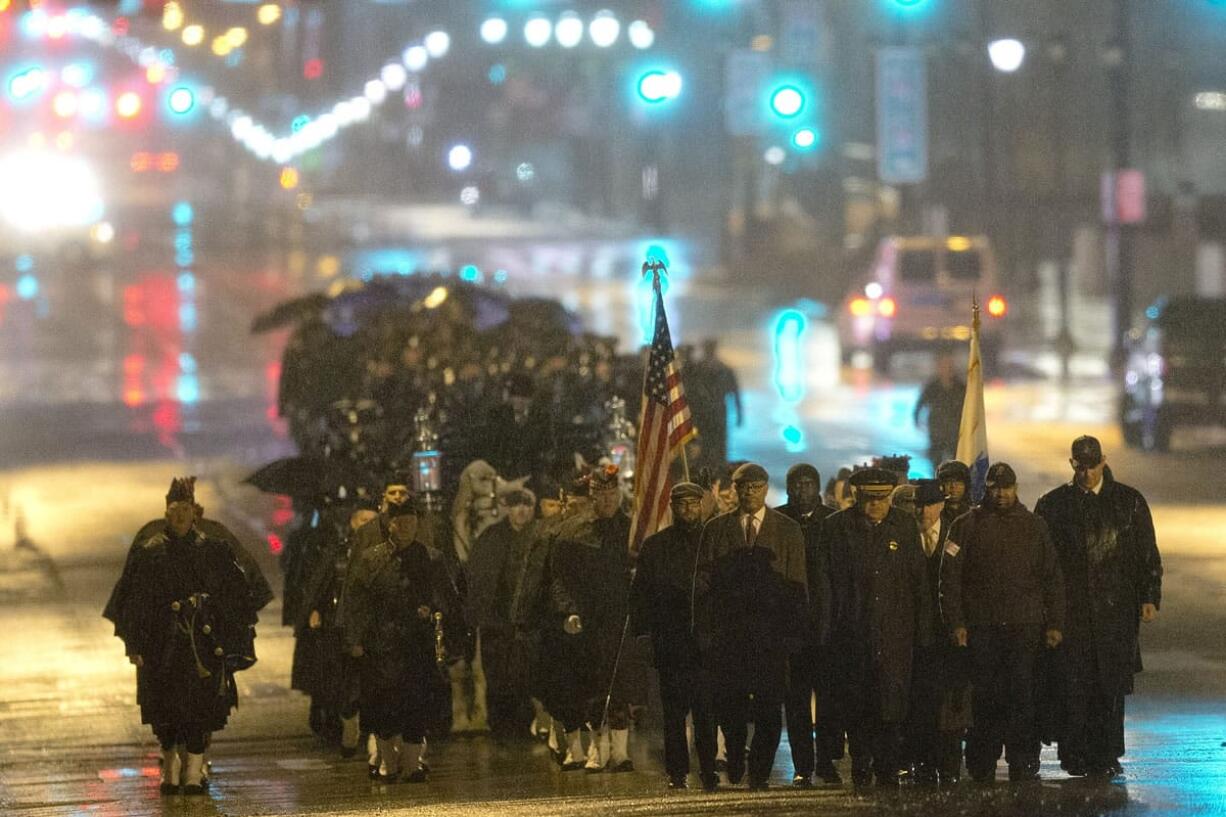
point(256, 137)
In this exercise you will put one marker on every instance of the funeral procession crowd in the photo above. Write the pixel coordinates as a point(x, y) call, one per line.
point(893, 622)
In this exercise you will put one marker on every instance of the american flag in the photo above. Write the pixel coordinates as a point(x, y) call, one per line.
point(665, 425)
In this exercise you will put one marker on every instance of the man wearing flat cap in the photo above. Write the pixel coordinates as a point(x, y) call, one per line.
point(807, 677)
point(750, 609)
point(1002, 597)
point(880, 612)
point(1104, 535)
point(660, 608)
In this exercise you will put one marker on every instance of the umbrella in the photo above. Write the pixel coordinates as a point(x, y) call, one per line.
point(309, 477)
point(292, 311)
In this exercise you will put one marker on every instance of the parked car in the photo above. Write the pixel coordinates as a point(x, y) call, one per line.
point(1176, 371)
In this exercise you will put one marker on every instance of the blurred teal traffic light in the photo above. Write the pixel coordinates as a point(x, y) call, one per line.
point(658, 85)
point(787, 101)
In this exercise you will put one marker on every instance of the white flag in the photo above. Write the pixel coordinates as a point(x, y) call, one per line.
point(973, 432)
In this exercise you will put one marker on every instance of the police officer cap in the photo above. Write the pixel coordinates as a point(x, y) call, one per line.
point(877, 483)
point(953, 469)
point(1087, 450)
point(928, 492)
point(686, 490)
point(750, 472)
point(1000, 475)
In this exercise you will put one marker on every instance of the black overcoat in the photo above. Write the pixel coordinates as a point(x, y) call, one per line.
point(1109, 557)
point(188, 614)
point(750, 604)
point(881, 608)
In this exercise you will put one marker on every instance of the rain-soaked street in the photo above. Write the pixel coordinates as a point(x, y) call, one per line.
point(117, 378)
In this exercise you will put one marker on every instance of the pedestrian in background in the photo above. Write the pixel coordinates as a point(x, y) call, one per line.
point(1104, 535)
point(1002, 597)
point(939, 409)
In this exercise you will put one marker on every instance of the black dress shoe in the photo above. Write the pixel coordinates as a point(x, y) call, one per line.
point(736, 773)
point(802, 781)
point(168, 788)
point(678, 781)
point(758, 785)
point(710, 782)
point(348, 751)
point(372, 772)
point(861, 777)
point(193, 791)
point(626, 765)
point(418, 775)
point(573, 766)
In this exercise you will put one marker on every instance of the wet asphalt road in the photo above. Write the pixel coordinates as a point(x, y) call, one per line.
point(119, 378)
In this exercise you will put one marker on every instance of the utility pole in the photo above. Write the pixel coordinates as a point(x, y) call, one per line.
point(1119, 243)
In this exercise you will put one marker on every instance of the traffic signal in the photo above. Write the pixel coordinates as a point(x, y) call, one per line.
point(787, 101)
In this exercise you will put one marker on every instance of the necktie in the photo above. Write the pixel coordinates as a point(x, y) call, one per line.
point(751, 534)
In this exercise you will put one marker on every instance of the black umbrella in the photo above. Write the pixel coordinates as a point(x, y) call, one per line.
point(289, 312)
point(310, 477)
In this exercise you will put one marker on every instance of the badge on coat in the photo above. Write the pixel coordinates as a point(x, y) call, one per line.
point(893, 545)
point(951, 548)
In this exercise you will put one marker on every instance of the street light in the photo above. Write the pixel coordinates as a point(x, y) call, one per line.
point(569, 30)
point(460, 157)
point(438, 43)
point(604, 29)
point(641, 34)
point(415, 58)
point(1007, 55)
point(494, 30)
point(537, 32)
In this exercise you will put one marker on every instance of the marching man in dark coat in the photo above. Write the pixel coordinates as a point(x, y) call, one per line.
point(1002, 596)
point(589, 584)
point(940, 704)
point(1104, 534)
point(186, 623)
point(394, 591)
point(661, 606)
point(808, 669)
point(880, 613)
point(750, 614)
point(955, 479)
point(498, 566)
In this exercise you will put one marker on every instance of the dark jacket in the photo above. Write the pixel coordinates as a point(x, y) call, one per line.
point(1001, 568)
point(819, 600)
point(660, 595)
point(259, 591)
point(188, 615)
point(386, 587)
point(880, 606)
point(500, 561)
point(1111, 565)
point(750, 604)
point(944, 407)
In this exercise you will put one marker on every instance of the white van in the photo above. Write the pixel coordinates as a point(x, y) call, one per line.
point(918, 295)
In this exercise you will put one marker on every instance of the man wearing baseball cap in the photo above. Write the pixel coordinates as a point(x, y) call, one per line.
point(1002, 597)
point(1104, 535)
